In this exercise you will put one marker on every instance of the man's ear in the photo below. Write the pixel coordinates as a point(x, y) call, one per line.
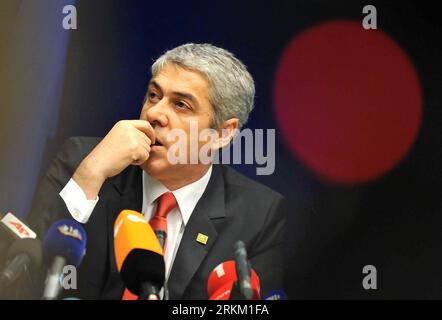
point(226, 133)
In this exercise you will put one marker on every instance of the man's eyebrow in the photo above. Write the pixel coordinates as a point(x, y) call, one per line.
point(183, 95)
point(155, 84)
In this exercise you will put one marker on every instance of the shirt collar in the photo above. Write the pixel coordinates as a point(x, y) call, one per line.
point(187, 197)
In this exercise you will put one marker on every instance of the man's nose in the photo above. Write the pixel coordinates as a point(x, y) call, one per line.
point(156, 114)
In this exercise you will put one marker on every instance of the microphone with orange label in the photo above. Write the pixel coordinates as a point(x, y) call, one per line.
point(139, 255)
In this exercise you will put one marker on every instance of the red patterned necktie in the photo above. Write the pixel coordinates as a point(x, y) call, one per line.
point(166, 204)
point(158, 222)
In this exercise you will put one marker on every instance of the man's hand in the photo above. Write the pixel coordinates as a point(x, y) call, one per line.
point(127, 143)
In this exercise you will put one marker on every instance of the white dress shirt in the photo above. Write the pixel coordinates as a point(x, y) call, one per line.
point(187, 198)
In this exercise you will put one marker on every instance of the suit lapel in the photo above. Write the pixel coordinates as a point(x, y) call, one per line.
point(191, 253)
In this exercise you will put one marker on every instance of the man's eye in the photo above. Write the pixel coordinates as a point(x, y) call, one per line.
point(153, 96)
point(181, 105)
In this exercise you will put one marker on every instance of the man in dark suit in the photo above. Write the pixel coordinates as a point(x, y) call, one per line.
point(92, 180)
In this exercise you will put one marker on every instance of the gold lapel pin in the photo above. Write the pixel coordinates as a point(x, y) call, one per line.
point(202, 238)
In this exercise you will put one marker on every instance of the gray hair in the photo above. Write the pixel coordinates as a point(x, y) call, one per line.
point(231, 87)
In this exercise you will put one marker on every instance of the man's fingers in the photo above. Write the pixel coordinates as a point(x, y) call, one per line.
point(145, 127)
point(144, 139)
point(142, 154)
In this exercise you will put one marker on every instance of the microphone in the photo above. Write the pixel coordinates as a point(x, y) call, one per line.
point(64, 244)
point(223, 283)
point(139, 255)
point(23, 254)
point(12, 228)
point(243, 271)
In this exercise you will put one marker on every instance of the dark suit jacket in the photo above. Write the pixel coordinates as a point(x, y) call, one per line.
point(232, 208)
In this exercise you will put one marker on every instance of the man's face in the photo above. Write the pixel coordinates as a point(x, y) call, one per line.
point(176, 97)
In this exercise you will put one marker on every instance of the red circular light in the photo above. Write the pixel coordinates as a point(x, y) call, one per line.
point(347, 100)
